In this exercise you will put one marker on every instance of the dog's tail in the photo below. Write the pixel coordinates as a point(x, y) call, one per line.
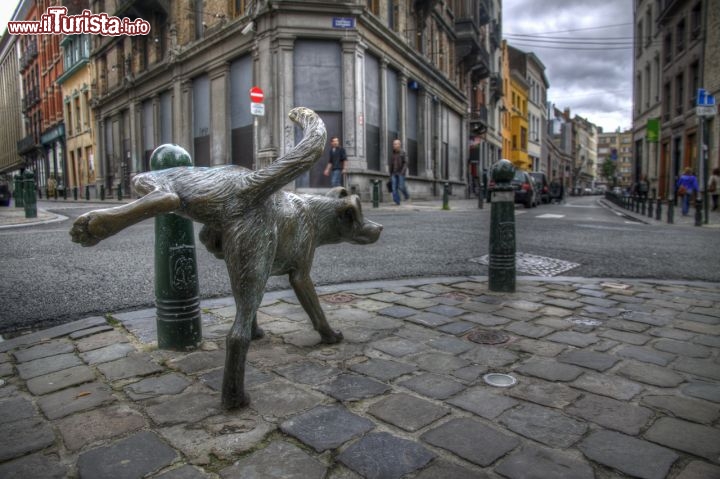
point(297, 161)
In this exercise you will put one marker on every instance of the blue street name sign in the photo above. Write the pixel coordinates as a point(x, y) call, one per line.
point(343, 22)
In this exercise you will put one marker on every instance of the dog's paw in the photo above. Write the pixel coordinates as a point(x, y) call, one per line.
point(258, 333)
point(80, 231)
point(333, 337)
point(235, 401)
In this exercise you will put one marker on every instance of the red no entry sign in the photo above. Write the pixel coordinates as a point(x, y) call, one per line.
point(256, 95)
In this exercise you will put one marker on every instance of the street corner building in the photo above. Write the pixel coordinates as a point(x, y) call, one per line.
point(421, 71)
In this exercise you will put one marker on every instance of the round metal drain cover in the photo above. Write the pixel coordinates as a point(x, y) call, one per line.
point(488, 337)
point(338, 298)
point(499, 380)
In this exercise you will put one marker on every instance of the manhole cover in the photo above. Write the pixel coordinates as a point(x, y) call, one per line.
point(488, 337)
point(338, 298)
point(535, 265)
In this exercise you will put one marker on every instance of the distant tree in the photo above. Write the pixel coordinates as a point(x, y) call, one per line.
point(608, 170)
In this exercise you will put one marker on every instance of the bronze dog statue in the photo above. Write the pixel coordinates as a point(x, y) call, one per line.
point(255, 227)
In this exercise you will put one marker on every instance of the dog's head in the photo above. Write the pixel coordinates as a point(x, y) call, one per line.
point(352, 226)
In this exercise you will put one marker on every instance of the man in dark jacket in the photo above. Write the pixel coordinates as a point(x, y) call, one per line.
point(337, 166)
point(398, 170)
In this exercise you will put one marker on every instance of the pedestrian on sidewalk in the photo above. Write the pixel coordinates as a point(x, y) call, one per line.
point(687, 186)
point(337, 165)
point(643, 187)
point(398, 170)
point(714, 186)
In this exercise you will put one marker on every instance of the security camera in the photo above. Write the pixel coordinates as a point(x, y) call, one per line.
point(250, 27)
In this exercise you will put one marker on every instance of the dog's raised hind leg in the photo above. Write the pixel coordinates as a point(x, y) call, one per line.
point(94, 226)
point(306, 294)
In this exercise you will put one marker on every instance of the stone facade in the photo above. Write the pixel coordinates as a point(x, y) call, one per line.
point(374, 71)
point(682, 35)
point(647, 67)
point(11, 101)
point(711, 82)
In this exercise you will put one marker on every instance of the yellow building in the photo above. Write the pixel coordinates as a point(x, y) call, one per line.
point(519, 121)
point(76, 93)
point(506, 109)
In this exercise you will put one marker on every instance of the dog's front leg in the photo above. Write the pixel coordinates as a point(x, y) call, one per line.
point(306, 294)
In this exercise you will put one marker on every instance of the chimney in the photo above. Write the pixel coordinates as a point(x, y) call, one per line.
point(566, 113)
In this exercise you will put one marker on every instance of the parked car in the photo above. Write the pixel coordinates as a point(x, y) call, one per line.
point(542, 186)
point(524, 187)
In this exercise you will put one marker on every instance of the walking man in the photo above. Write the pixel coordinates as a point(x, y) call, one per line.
point(398, 170)
point(337, 165)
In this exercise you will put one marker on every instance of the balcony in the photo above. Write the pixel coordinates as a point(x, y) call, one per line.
point(479, 120)
point(469, 49)
point(26, 145)
point(496, 86)
point(495, 34)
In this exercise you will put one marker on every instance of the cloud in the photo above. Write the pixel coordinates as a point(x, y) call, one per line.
point(586, 47)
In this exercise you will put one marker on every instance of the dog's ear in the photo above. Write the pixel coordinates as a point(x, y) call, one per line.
point(350, 212)
point(337, 192)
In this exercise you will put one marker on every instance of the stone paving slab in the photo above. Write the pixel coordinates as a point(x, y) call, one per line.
point(614, 378)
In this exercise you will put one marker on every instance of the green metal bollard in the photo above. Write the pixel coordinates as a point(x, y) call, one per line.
point(102, 192)
point(179, 322)
point(698, 211)
point(87, 193)
point(446, 196)
point(501, 268)
point(18, 192)
point(29, 198)
point(658, 210)
point(75, 193)
point(670, 213)
point(650, 207)
point(481, 193)
point(376, 193)
point(119, 189)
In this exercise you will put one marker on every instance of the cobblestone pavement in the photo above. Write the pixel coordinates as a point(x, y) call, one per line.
point(615, 378)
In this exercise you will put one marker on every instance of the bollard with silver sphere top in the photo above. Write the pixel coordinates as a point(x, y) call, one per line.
point(501, 269)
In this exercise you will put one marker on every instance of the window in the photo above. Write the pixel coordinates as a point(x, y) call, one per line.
point(240, 7)
point(679, 93)
point(648, 30)
point(667, 48)
point(648, 85)
point(694, 83)
point(68, 113)
point(667, 90)
point(695, 21)
point(76, 102)
point(199, 20)
point(373, 6)
point(680, 36)
point(639, 38)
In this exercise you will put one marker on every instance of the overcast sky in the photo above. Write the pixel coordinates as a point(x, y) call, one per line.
point(586, 46)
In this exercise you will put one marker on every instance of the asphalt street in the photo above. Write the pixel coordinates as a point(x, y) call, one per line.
point(49, 280)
